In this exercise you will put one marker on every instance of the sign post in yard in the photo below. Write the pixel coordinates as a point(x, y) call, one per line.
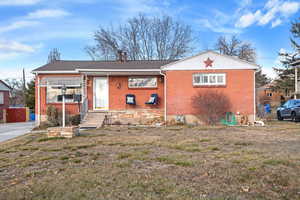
point(63, 91)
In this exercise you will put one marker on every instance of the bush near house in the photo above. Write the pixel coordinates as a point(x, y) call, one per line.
point(211, 106)
point(54, 117)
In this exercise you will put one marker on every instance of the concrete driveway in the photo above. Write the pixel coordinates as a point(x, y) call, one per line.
point(12, 130)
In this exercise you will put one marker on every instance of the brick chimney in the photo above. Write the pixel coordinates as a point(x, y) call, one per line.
point(120, 56)
point(124, 56)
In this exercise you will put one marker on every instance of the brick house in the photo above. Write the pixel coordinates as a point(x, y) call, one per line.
point(144, 91)
point(4, 100)
point(270, 94)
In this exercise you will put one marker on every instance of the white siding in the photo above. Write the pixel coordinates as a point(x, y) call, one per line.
point(219, 62)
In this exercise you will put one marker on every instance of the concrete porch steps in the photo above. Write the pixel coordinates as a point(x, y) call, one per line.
point(93, 120)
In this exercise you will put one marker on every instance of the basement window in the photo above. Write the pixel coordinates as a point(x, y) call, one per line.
point(142, 82)
point(209, 79)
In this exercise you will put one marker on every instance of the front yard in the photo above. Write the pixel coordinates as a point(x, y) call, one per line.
point(183, 163)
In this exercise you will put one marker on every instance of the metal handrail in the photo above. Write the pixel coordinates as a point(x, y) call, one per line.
point(84, 108)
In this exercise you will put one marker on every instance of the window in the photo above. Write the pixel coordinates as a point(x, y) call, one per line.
point(142, 82)
point(269, 94)
point(209, 79)
point(54, 94)
point(1, 98)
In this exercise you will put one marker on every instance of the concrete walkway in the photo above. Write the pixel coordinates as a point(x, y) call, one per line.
point(12, 130)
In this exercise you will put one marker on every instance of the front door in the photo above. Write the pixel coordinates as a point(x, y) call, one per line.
point(100, 93)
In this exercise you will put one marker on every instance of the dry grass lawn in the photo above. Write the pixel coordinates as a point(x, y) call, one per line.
point(185, 163)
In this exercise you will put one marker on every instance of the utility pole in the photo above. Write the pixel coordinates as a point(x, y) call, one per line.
point(296, 82)
point(24, 88)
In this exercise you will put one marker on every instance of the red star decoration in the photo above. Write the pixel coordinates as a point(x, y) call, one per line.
point(208, 62)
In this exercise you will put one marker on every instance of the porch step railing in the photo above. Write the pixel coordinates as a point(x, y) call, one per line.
point(84, 108)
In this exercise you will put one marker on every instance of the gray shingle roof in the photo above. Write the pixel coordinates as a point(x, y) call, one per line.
point(115, 65)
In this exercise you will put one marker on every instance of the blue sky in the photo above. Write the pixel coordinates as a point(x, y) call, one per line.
point(29, 29)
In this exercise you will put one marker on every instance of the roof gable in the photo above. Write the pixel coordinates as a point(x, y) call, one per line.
point(209, 60)
point(4, 86)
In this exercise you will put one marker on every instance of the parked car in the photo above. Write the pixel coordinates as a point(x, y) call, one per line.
point(289, 110)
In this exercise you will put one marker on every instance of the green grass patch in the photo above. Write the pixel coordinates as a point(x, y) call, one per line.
point(243, 143)
point(124, 155)
point(214, 148)
point(64, 158)
point(275, 162)
point(77, 161)
point(175, 160)
point(50, 139)
point(204, 140)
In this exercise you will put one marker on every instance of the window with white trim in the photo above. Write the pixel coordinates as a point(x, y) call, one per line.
point(1, 98)
point(142, 82)
point(209, 79)
point(54, 94)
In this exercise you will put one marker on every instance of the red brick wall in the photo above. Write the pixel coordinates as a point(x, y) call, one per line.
point(116, 95)
point(239, 88)
point(117, 100)
point(6, 103)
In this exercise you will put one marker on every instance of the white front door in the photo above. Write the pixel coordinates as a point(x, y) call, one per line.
point(100, 93)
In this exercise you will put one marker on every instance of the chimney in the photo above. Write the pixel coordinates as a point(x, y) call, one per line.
point(124, 56)
point(120, 56)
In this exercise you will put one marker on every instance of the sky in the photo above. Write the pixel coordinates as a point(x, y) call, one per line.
point(29, 29)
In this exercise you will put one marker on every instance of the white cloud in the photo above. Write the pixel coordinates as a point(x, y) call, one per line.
point(18, 25)
point(220, 22)
point(266, 18)
point(277, 22)
point(12, 49)
point(275, 12)
point(31, 19)
point(47, 13)
point(16, 72)
point(248, 19)
point(269, 71)
point(289, 8)
point(271, 3)
point(215, 26)
point(18, 2)
point(15, 47)
point(244, 3)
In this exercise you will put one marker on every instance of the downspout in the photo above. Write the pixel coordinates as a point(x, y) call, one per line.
point(165, 95)
point(39, 103)
point(254, 99)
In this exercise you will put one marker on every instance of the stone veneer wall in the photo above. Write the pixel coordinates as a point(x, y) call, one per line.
point(136, 117)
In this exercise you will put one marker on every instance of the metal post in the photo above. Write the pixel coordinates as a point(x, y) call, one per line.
point(63, 92)
point(296, 82)
point(64, 112)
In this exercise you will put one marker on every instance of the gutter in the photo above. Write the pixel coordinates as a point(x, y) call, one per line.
point(165, 94)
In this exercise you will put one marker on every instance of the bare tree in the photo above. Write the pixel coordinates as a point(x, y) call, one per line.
point(143, 38)
point(17, 93)
point(53, 56)
point(244, 51)
point(235, 47)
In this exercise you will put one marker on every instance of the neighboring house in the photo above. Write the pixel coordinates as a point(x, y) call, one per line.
point(128, 90)
point(4, 100)
point(269, 94)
